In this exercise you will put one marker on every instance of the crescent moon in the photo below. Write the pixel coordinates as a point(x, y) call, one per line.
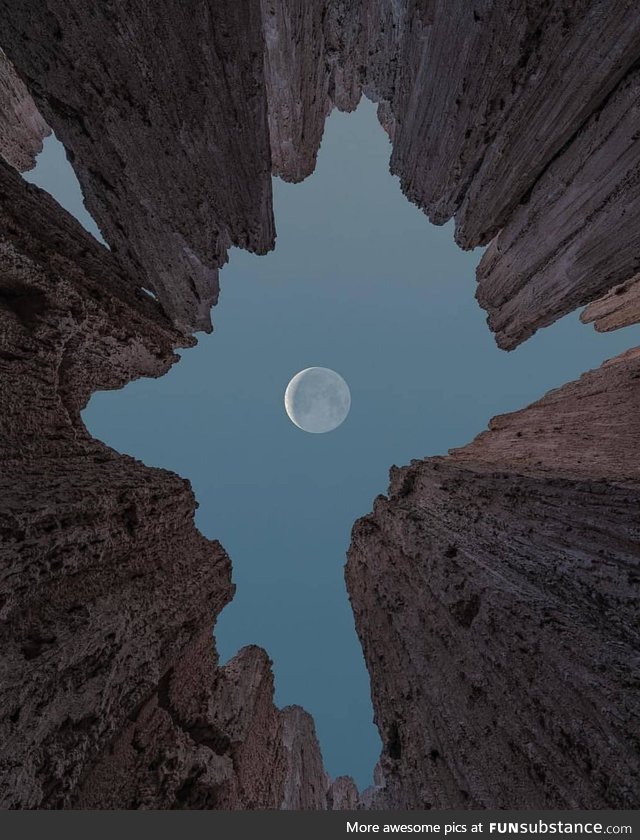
point(317, 400)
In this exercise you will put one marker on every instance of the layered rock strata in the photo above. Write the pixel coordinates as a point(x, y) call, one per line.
point(486, 94)
point(22, 129)
point(110, 690)
point(308, 787)
point(618, 308)
point(496, 593)
point(206, 738)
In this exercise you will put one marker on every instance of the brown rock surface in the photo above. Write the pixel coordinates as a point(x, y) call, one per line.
point(343, 795)
point(165, 121)
point(206, 737)
point(618, 308)
point(489, 93)
point(297, 84)
point(307, 782)
point(496, 594)
point(110, 693)
point(500, 117)
point(522, 120)
point(577, 235)
point(307, 785)
point(22, 129)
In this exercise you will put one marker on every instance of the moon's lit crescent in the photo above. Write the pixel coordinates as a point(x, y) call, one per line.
point(317, 400)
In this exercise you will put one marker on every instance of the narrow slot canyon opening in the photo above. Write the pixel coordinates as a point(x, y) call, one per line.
point(359, 282)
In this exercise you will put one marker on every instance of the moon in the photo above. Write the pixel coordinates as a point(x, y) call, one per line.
point(317, 400)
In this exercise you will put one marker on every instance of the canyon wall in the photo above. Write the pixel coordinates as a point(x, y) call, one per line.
point(22, 129)
point(110, 689)
point(519, 122)
point(165, 123)
point(516, 121)
point(495, 590)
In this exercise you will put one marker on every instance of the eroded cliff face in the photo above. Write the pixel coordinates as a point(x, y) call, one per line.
point(165, 123)
point(495, 590)
point(576, 237)
point(496, 596)
point(297, 85)
point(517, 122)
point(207, 737)
point(110, 690)
point(22, 129)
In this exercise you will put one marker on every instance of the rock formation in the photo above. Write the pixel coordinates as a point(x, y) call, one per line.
point(22, 129)
point(495, 590)
point(297, 85)
point(576, 237)
point(496, 596)
point(110, 690)
point(518, 123)
point(206, 737)
point(165, 123)
point(521, 125)
point(618, 308)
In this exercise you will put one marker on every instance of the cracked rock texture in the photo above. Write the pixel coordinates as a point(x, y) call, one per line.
point(110, 690)
point(22, 129)
point(496, 595)
point(494, 93)
point(520, 122)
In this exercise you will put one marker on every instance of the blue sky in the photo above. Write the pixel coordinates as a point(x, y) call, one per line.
point(359, 282)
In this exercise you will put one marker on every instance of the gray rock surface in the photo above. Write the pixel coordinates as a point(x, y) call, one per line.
point(297, 84)
point(618, 308)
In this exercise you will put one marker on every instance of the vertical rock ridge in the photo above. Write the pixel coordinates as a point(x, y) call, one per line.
point(618, 308)
point(501, 117)
point(495, 593)
point(307, 783)
point(576, 236)
point(297, 84)
point(520, 125)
